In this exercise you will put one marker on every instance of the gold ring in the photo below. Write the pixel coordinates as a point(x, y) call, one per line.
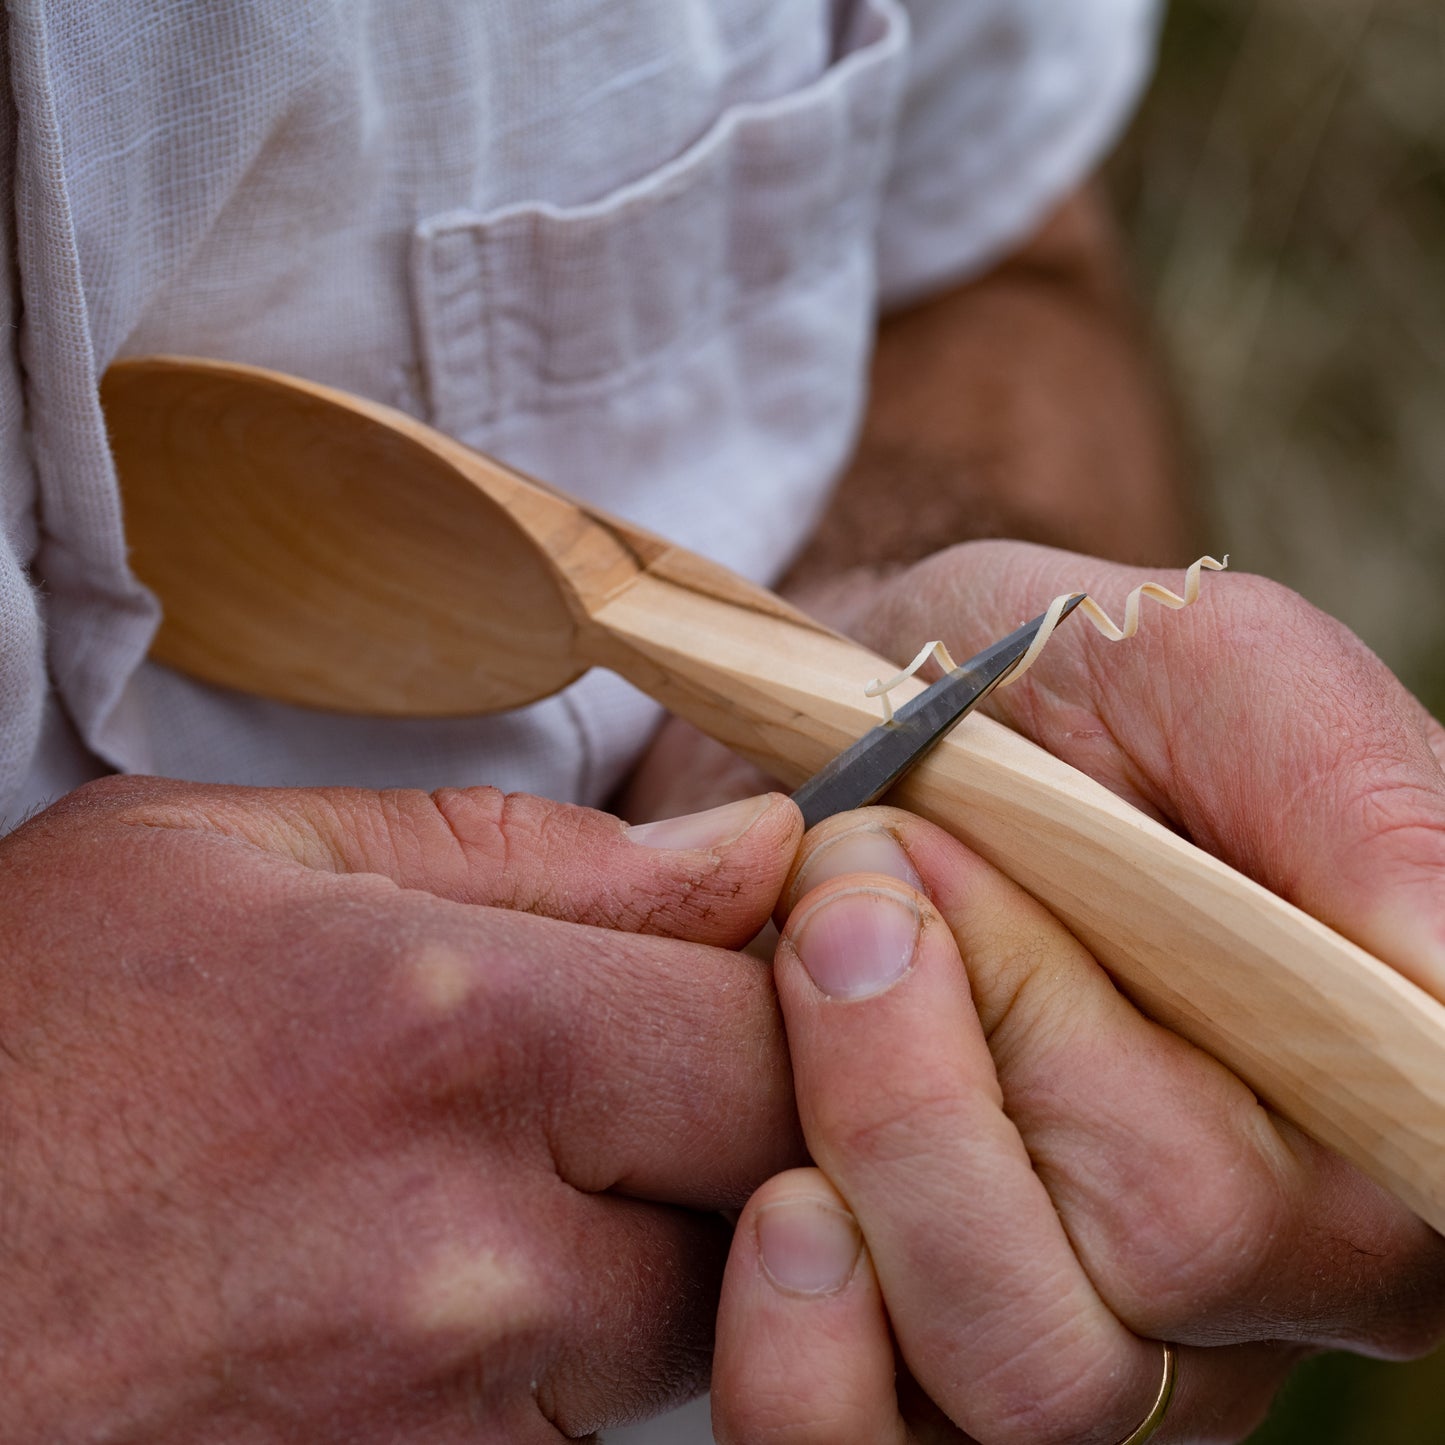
point(1155, 1418)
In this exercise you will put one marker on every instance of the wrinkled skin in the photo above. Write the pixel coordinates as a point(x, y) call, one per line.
point(1256, 725)
point(335, 1116)
point(345, 1116)
point(1041, 1181)
point(1040, 1184)
point(1252, 723)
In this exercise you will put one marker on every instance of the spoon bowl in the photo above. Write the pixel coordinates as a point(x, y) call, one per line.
point(316, 547)
point(312, 547)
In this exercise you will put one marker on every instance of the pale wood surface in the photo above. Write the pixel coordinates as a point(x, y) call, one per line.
point(311, 546)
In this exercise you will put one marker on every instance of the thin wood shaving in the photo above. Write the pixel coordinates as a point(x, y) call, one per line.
point(1088, 607)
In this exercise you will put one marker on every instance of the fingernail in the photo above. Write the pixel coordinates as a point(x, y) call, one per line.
point(860, 850)
point(712, 829)
point(858, 943)
point(808, 1247)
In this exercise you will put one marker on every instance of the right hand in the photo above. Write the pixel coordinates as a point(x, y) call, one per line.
point(1024, 1185)
point(342, 1116)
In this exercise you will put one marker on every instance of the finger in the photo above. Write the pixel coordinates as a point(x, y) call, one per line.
point(1223, 1395)
point(623, 1294)
point(1261, 727)
point(712, 877)
point(1197, 1216)
point(803, 1354)
point(901, 1108)
point(648, 1065)
point(656, 1067)
point(633, 1350)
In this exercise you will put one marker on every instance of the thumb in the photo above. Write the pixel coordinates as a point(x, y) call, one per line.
point(1263, 729)
point(712, 878)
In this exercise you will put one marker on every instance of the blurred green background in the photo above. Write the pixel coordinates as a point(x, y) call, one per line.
point(1284, 190)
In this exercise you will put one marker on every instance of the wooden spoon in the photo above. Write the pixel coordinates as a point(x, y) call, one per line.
point(312, 546)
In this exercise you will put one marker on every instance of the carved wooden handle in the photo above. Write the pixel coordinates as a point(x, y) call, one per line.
point(281, 521)
point(1326, 1034)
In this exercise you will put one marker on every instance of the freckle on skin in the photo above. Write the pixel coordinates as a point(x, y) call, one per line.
point(469, 1291)
point(444, 978)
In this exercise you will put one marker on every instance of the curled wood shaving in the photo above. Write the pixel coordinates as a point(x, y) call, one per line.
point(880, 688)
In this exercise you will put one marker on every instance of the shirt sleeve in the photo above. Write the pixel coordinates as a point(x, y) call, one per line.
point(1010, 105)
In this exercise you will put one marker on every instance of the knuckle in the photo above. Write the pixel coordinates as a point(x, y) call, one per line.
point(1027, 995)
point(536, 827)
point(884, 1128)
point(1246, 609)
point(473, 820)
point(478, 1318)
point(1389, 1266)
point(475, 1297)
point(1251, 603)
point(1408, 1324)
point(533, 855)
point(439, 976)
point(126, 797)
point(504, 843)
point(114, 788)
point(1030, 1400)
point(1195, 1241)
point(1399, 822)
point(459, 1016)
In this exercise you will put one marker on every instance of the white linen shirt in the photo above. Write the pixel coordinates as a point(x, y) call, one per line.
point(635, 247)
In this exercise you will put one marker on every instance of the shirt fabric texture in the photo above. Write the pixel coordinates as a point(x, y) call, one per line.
point(635, 249)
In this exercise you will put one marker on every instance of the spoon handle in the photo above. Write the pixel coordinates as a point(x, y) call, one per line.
point(324, 549)
point(1325, 1033)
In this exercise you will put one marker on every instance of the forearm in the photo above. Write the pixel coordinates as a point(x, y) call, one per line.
point(1025, 404)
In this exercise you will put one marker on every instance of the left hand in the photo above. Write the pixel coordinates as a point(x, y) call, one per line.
point(336, 1115)
point(1023, 1186)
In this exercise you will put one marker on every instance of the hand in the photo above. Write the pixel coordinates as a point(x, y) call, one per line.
point(338, 1116)
point(1025, 402)
point(1255, 725)
point(1024, 1185)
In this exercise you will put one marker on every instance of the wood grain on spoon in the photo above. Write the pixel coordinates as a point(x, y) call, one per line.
point(316, 547)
